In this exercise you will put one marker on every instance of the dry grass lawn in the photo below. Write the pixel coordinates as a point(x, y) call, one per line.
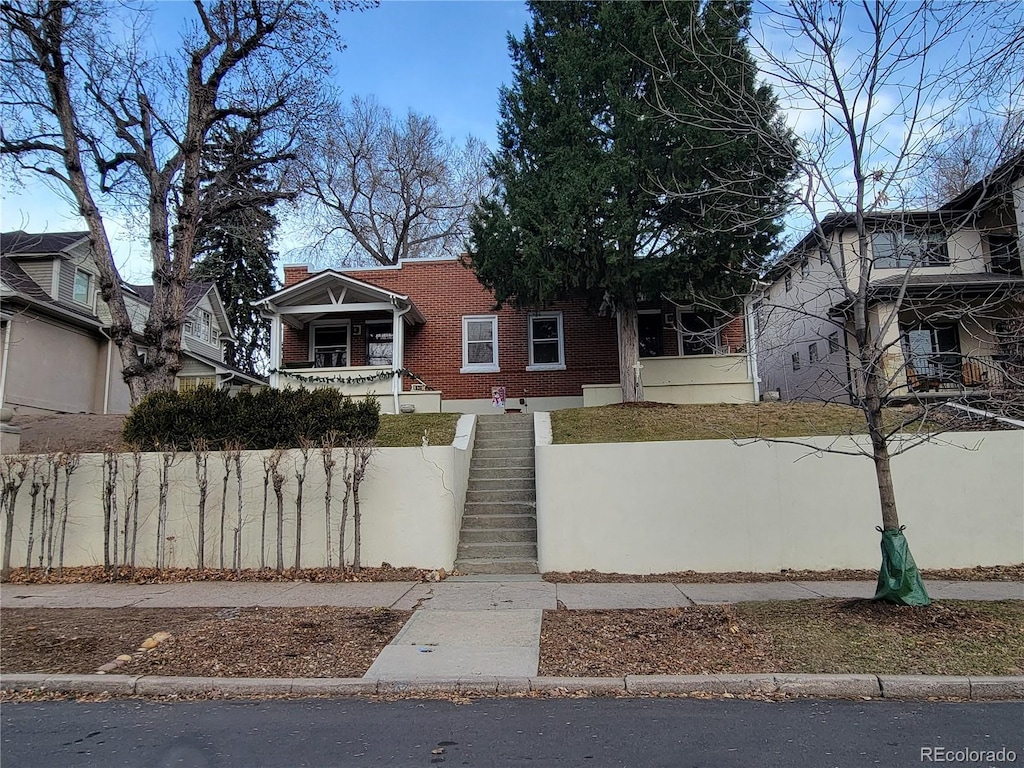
point(732, 421)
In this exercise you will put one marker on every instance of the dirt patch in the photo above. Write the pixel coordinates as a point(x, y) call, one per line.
point(71, 432)
point(95, 574)
point(227, 642)
point(980, 573)
point(813, 636)
point(668, 641)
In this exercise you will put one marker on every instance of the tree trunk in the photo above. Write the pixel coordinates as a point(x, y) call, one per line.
point(873, 414)
point(629, 352)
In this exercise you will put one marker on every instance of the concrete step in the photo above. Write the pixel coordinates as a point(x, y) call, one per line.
point(523, 496)
point(523, 462)
point(500, 519)
point(498, 472)
point(491, 535)
point(510, 550)
point(503, 453)
point(500, 509)
point(505, 418)
point(485, 565)
point(501, 483)
point(503, 442)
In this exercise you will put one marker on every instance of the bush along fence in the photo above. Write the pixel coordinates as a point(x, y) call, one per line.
point(146, 492)
point(230, 509)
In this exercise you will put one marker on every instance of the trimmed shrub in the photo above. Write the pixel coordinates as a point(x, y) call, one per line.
point(268, 418)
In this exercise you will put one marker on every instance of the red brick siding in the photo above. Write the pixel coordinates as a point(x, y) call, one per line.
point(734, 338)
point(445, 291)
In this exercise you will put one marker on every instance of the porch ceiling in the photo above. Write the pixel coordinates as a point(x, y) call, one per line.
point(334, 294)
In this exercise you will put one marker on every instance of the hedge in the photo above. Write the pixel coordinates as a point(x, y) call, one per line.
point(268, 418)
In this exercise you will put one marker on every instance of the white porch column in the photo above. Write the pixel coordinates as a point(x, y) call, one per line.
point(396, 357)
point(276, 336)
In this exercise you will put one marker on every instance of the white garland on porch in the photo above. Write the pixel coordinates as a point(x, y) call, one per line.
point(364, 379)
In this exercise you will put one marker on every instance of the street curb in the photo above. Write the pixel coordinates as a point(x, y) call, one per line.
point(980, 688)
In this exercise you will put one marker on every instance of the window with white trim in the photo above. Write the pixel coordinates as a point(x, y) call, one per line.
point(796, 361)
point(329, 345)
point(380, 343)
point(479, 343)
point(83, 287)
point(812, 352)
point(200, 326)
point(547, 345)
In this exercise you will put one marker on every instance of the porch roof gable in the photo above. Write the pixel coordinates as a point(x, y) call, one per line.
point(332, 292)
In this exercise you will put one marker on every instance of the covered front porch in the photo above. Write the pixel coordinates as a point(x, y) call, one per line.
point(332, 330)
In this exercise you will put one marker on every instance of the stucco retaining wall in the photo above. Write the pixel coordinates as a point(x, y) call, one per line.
point(411, 502)
point(717, 506)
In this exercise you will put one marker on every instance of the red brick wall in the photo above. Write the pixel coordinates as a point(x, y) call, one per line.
point(445, 291)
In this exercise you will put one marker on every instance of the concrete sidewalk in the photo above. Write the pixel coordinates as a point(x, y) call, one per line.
point(464, 595)
point(481, 635)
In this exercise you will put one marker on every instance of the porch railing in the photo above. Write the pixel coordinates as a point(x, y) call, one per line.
point(955, 372)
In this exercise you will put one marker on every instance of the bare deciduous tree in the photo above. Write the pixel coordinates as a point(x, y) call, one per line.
point(385, 189)
point(866, 82)
point(89, 107)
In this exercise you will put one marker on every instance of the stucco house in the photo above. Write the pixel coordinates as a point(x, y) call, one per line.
point(424, 335)
point(946, 296)
point(56, 354)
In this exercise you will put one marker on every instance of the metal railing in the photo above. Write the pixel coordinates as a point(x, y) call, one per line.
point(951, 371)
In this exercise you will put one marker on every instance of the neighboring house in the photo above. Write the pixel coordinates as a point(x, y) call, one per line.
point(55, 350)
point(946, 297)
point(424, 334)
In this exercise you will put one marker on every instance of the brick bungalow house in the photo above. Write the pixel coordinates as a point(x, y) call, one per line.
point(424, 335)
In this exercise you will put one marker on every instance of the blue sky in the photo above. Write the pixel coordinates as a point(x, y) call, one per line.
point(445, 59)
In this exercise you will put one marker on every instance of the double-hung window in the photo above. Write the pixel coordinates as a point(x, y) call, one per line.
point(83, 287)
point(547, 347)
point(200, 326)
point(479, 344)
point(380, 343)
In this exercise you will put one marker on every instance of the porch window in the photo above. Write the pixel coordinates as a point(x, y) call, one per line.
point(83, 287)
point(192, 383)
point(380, 343)
point(330, 345)
point(650, 334)
point(900, 250)
point(697, 334)
point(479, 344)
point(547, 347)
point(933, 356)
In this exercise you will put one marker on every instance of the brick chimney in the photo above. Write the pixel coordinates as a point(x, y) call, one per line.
point(294, 273)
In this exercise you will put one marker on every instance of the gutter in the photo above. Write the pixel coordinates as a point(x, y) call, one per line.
point(7, 349)
point(106, 372)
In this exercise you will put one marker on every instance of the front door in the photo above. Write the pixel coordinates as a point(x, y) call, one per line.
point(650, 334)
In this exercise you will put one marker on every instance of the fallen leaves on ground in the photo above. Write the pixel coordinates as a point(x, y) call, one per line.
point(96, 574)
point(226, 642)
point(979, 573)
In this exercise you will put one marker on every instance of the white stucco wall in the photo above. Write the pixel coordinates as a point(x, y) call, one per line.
point(718, 506)
point(411, 503)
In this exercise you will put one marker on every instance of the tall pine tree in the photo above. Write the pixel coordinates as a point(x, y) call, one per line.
point(601, 193)
point(233, 244)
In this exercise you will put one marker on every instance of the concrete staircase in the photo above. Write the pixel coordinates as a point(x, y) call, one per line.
point(499, 522)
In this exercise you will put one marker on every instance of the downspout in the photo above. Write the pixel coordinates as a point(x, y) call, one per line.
point(7, 350)
point(106, 371)
point(749, 321)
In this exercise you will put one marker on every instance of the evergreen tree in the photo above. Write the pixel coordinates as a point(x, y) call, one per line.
point(603, 189)
point(233, 244)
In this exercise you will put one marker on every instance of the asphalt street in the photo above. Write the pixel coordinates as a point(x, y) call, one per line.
point(639, 733)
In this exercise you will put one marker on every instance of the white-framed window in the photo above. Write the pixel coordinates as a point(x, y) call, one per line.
point(547, 342)
point(812, 352)
point(380, 343)
point(479, 344)
point(192, 383)
point(796, 361)
point(833, 342)
point(329, 344)
point(900, 250)
point(200, 326)
point(805, 267)
point(83, 287)
point(789, 281)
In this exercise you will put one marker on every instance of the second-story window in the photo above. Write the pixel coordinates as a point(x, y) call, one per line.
point(902, 250)
point(83, 287)
point(200, 326)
